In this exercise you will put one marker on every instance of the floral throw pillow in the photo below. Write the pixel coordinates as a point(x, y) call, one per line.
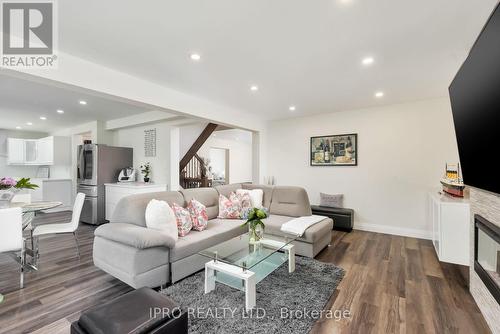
point(198, 214)
point(229, 209)
point(184, 221)
point(244, 199)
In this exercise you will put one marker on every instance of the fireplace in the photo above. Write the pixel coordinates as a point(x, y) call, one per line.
point(487, 254)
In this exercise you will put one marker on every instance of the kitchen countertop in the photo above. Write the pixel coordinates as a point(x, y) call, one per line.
point(135, 185)
point(44, 179)
point(53, 180)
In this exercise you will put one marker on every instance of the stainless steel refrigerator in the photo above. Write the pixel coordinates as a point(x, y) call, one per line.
point(99, 164)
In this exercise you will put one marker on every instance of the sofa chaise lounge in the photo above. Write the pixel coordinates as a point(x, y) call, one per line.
point(138, 256)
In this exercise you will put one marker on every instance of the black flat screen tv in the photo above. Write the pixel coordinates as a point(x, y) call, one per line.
point(475, 102)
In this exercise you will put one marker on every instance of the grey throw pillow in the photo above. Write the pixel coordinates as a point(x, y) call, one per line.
point(334, 201)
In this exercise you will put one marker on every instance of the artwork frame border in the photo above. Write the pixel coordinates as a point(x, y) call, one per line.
point(355, 135)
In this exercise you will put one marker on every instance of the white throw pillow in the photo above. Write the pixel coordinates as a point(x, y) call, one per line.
point(256, 196)
point(160, 216)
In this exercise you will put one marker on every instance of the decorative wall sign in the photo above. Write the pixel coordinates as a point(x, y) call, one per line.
point(335, 150)
point(150, 143)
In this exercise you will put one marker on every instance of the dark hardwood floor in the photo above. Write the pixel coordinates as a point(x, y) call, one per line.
point(392, 285)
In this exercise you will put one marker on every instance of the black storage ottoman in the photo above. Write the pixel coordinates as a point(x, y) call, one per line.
point(343, 219)
point(136, 312)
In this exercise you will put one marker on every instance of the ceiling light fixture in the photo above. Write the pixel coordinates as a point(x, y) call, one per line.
point(368, 61)
point(195, 57)
point(254, 88)
point(29, 123)
point(18, 127)
point(43, 118)
point(379, 94)
point(292, 108)
point(82, 102)
point(60, 111)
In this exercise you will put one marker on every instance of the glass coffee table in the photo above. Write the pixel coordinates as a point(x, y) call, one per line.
point(241, 264)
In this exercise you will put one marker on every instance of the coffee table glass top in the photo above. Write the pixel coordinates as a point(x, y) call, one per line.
point(241, 253)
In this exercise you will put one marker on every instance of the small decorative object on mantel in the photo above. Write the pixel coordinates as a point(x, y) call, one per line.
point(9, 187)
point(256, 225)
point(452, 181)
point(146, 170)
point(335, 150)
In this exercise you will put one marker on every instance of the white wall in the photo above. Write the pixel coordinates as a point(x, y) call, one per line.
point(239, 144)
point(188, 135)
point(16, 171)
point(94, 131)
point(402, 150)
point(134, 137)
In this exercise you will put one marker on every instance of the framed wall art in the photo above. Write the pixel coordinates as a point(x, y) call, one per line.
point(334, 150)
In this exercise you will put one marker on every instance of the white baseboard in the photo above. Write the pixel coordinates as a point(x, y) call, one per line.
point(405, 232)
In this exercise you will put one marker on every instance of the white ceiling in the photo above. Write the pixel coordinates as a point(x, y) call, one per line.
point(299, 52)
point(23, 101)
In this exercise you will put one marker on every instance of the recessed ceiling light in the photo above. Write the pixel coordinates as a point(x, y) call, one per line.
point(82, 102)
point(195, 56)
point(43, 118)
point(368, 61)
point(379, 94)
point(60, 111)
point(29, 123)
point(254, 88)
point(292, 108)
point(18, 127)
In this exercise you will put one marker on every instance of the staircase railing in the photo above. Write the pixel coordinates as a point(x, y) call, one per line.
point(192, 169)
point(194, 174)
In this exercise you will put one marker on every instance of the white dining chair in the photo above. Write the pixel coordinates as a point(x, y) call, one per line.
point(11, 235)
point(62, 228)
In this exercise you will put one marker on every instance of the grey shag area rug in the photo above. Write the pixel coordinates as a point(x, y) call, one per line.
point(283, 300)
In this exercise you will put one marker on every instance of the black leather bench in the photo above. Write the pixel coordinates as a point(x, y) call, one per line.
point(139, 312)
point(343, 219)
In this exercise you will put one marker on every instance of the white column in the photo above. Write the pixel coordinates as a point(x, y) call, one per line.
point(174, 158)
point(256, 158)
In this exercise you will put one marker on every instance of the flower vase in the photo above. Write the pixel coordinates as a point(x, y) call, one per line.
point(6, 196)
point(256, 234)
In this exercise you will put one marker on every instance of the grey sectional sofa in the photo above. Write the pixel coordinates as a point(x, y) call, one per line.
point(138, 256)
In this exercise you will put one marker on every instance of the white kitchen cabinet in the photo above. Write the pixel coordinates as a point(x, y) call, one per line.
point(45, 148)
point(30, 151)
point(450, 220)
point(15, 149)
point(44, 151)
point(116, 191)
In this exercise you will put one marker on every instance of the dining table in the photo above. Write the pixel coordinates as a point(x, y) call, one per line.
point(29, 211)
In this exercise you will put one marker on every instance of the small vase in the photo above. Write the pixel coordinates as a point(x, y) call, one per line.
point(6, 196)
point(256, 234)
point(146, 179)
